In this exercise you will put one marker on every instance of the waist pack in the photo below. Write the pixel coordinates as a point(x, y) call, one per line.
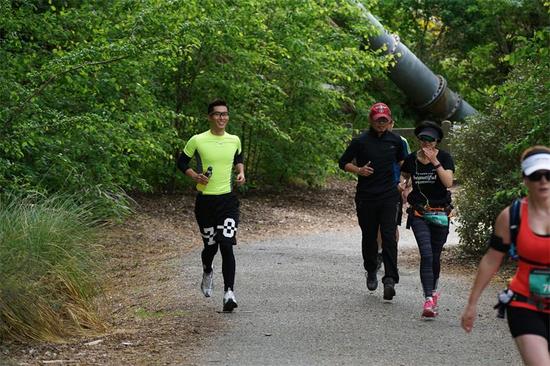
point(541, 305)
point(539, 291)
point(438, 216)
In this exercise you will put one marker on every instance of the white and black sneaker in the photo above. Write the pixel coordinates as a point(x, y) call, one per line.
point(229, 302)
point(207, 283)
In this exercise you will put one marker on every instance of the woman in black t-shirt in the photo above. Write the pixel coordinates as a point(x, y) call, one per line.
point(431, 172)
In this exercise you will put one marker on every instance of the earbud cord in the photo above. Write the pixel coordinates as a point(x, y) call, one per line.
point(417, 184)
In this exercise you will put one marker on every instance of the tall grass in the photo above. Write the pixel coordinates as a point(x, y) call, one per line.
point(50, 261)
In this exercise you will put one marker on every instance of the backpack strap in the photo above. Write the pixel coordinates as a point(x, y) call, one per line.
point(514, 227)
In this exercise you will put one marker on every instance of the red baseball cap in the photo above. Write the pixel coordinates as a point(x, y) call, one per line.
point(379, 110)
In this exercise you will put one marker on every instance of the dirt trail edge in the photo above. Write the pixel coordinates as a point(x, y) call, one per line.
point(157, 315)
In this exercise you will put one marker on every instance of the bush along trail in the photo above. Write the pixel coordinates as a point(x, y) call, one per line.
point(151, 310)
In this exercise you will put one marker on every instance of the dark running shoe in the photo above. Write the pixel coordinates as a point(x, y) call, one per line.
point(372, 281)
point(389, 289)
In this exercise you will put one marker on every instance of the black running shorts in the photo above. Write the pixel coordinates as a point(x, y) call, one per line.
point(218, 217)
point(524, 321)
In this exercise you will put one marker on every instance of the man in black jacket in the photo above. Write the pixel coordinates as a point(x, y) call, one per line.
point(372, 156)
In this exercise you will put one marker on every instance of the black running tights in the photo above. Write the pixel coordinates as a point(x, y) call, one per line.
point(228, 262)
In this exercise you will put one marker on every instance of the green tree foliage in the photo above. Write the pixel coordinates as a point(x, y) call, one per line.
point(488, 148)
point(467, 41)
point(495, 53)
point(101, 96)
point(76, 111)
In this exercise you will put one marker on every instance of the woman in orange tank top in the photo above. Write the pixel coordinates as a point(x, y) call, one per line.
point(529, 311)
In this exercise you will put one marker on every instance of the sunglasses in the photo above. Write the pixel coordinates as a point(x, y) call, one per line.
point(426, 138)
point(536, 176)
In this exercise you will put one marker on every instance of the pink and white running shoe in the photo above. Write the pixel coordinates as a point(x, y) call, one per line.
point(429, 309)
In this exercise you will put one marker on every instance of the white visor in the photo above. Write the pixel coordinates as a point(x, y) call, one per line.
point(540, 161)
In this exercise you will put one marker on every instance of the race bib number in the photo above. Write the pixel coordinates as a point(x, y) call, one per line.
point(539, 282)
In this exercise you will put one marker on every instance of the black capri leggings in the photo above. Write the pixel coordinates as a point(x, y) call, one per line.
point(430, 240)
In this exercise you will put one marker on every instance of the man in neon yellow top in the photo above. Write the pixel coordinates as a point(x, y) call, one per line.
point(216, 206)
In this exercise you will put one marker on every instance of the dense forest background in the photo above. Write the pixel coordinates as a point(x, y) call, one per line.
point(98, 98)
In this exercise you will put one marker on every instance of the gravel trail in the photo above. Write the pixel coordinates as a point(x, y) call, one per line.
point(303, 301)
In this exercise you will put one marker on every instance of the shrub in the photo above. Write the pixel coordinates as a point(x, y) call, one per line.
point(49, 268)
point(488, 149)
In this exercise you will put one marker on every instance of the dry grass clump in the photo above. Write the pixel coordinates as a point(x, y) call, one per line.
point(49, 266)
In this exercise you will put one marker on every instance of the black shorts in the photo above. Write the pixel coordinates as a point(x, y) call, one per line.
point(524, 321)
point(218, 217)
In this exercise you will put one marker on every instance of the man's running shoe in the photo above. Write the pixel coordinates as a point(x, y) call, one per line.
point(229, 302)
point(372, 281)
point(207, 283)
point(429, 311)
point(389, 288)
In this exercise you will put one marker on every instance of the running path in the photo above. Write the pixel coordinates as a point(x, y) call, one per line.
point(303, 301)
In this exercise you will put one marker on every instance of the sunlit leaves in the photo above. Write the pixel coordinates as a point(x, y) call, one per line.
point(470, 42)
point(107, 92)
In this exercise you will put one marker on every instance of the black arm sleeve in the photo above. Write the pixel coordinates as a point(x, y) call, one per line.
point(349, 154)
point(183, 162)
point(496, 243)
point(238, 158)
